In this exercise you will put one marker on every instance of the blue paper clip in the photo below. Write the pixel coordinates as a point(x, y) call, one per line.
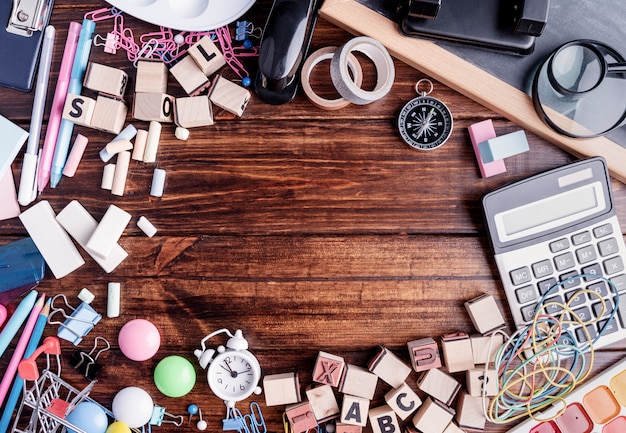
point(249, 423)
point(78, 324)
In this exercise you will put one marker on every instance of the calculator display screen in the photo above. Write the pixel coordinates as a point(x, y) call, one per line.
point(550, 213)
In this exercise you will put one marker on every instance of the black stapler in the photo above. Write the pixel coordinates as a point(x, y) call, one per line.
point(284, 46)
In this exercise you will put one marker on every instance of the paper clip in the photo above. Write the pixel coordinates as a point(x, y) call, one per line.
point(86, 363)
point(223, 36)
point(158, 418)
point(78, 324)
point(286, 424)
point(102, 14)
point(249, 423)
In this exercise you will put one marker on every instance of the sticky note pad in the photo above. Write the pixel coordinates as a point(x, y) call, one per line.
point(13, 138)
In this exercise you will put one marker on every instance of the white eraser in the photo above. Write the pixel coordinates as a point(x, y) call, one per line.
point(113, 300)
point(146, 226)
point(54, 244)
point(181, 133)
point(108, 173)
point(140, 145)
point(152, 142)
point(158, 182)
point(86, 296)
point(121, 172)
point(127, 133)
point(113, 148)
point(108, 232)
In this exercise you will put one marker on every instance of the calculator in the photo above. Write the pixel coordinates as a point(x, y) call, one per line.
point(554, 234)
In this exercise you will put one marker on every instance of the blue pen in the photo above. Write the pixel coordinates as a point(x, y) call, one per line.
point(16, 390)
point(16, 320)
point(66, 128)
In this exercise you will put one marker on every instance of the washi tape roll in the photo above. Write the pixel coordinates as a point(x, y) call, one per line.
point(378, 54)
point(313, 60)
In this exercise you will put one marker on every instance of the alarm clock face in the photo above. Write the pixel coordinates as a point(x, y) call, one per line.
point(233, 375)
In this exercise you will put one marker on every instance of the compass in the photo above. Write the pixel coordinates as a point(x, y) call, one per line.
point(425, 123)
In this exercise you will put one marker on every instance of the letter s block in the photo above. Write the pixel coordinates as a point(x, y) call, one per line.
point(79, 109)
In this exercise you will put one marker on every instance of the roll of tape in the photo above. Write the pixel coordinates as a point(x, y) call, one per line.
point(378, 54)
point(313, 60)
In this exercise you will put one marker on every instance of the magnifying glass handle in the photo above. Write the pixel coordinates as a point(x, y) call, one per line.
point(616, 67)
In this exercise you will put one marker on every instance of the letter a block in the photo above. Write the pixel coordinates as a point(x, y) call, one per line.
point(328, 369)
point(354, 410)
point(109, 114)
point(383, 420)
point(229, 96)
point(403, 400)
point(424, 354)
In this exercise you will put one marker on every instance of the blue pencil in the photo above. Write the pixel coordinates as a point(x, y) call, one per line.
point(16, 320)
point(16, 390)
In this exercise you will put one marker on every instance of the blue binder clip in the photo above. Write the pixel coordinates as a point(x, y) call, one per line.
point(158, 418)
point(76, 325)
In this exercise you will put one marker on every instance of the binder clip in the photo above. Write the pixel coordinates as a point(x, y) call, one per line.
point(158, 418)
point(28, 16)
point(78, 324)
point(86, 363)
point(248, 423)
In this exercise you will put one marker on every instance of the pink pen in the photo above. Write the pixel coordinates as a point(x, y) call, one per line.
point(56, 112)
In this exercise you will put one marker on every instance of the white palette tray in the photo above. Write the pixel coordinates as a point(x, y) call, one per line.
point(187, 15)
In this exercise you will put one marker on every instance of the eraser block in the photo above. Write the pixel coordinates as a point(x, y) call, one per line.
point(190, 76)
point(358, 381)
point(323, 403)
point(281, 389)
point(108, 231)
point(146, 226)
point(504, 146)
point(480, 132)
point(383, 420)
point(439, 384)
point(8, 196)
point(54, 244)
point(403, 400)
point(79, 223)
point(484, 313)
point(477, 382)
point(207, 56)
point(105, 79)
point(229, 96)
point(432, 417)
point(151, 77)
point(328, 369)
point(469, 413)
point(301, 417)
point(389, 368)
point(79, 109)
point(424, 354)
point(354, 410)
point(457, 352)
point(109, 114)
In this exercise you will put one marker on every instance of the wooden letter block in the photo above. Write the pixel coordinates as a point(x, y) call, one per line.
point(323, 403)
point(457, 352)
point(403, 400)
point(424, 354)
point(281, 389)
point(383, 420)
point(469, 414)
point(439, 384)
point(485, 314)
point(157, 107)
point(453, 428)
point(477, 382)
point(79, 109)
point(347, 428)
point(229, 96)
point(484, 348)
point(109, 114)
point(358, 381)
point(193, 111)
point(432, 417)
point(207, 56)
point(389, 368)
point(190, 76)
point(151, 77)
point(105, 79)
point(328, 369)
point(354, 410)
point(301, 417)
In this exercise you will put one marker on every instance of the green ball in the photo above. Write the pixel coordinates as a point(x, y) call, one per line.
point(174, 376)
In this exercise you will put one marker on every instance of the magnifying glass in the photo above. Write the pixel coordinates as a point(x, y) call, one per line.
point(580, 67)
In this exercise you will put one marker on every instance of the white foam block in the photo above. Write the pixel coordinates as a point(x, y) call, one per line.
point(108, 231)
point(54, 244)
point(79, 223)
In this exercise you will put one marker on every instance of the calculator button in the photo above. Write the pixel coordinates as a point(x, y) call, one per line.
point(600, 288)
point(608, 247)
point(582, 336)
point(621, 311)
point(609, 326)
point(564, 261)
point(581, 238)
point(520, 276)
point(569, 280)
point(619, 282)
point(603, 230)
point(586, 254)
point(559, 245)
point(528, 312)
point(545, 285)
point(582, 315)
point(613, 265)
point(591, 272)
point(575, 298)
point(597, 308)
point(553, 305)
point(526, 294)
point(542, 269)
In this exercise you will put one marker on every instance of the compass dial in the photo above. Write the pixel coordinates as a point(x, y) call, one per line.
point(425, 123)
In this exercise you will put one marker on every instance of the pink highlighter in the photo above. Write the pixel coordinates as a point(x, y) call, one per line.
point(3, 314)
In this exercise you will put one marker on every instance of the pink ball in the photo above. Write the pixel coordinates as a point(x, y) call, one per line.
point(139, 340)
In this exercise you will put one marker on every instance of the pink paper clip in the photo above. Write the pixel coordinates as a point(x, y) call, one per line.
point(102, 14)
point(223, 36)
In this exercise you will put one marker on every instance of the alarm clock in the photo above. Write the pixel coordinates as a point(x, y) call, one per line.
point(233, 372)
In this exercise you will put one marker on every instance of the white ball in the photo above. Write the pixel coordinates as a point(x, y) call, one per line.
point(133, 406)
point(202, 425)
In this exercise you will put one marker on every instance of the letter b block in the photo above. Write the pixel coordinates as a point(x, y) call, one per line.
point(383, 420)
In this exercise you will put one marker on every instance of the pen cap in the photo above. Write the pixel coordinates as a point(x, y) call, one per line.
point(73, 33)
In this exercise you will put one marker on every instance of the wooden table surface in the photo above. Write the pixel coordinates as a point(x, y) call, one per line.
point(307, 229)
